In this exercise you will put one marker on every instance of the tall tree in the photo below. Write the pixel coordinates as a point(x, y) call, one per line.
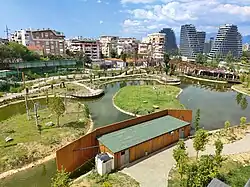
point(57, 106)
point(200, 141)
point(197, 120)
point(200, 58)
point(113, 53)
point(124, 57)
point(181, 157)
point(229, 58)
point(166, 62)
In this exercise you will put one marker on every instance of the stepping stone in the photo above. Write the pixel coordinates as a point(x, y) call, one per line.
point(156, 107)
point(8, 139)
point(49, 124)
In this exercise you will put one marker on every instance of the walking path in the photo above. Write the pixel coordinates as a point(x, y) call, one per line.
point(154, 170)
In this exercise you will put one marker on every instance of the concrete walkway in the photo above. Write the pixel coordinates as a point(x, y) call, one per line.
point(154, 170)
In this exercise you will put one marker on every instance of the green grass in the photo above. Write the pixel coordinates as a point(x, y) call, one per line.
point(116, 179)
point(29, 145)
point(141, 99)
point(243, 88)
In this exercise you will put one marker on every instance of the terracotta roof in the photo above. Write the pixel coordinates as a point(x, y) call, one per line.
point(35, 47)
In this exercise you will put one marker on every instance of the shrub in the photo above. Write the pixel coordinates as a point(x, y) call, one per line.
point(61, 179)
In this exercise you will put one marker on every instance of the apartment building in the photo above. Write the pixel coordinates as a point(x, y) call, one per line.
point(107, 44)
point(90, 47)
point(170, 40)
point(191, 41)
point(52, 41)
point(126, 45)
point(227, 40)
point(208, 45)
point(156, 45)
point(143, 48)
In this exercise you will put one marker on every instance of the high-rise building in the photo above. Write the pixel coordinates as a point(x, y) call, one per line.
point(191, 41)
point(170, 40)
point(227, 40)
point(51, 41)
point(208, 45)
point(201, 40)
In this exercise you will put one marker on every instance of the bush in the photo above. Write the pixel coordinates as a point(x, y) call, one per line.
point(61, 179)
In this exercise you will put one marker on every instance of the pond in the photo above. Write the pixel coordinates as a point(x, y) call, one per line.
point(216, 101)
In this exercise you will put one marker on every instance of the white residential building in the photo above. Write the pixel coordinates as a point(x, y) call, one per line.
point(126, 45)
point(156, 45)
point(21, 37)
point(89, 47)
point(108, 43)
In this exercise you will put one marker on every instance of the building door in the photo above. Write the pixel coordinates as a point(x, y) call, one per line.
point(124, 157)
point(181, 134)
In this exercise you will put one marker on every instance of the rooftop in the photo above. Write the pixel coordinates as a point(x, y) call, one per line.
point(134, 135)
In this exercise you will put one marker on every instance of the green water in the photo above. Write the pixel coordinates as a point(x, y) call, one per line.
point(216, 101)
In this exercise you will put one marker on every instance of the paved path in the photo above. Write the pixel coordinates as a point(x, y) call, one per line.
point(153, 171)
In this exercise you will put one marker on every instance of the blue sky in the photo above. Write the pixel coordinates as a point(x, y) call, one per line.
point(91, 18)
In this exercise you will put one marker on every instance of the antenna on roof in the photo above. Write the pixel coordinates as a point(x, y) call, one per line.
point(7, 32)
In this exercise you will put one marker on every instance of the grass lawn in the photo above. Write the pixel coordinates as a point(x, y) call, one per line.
point(243, 88)
point(233, 173)
point(29, 145)
point(116, 179)
point(142, 99)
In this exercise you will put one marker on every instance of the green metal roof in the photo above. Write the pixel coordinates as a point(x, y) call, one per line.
point(123, 139)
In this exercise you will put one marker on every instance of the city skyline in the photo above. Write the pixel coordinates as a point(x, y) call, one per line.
point(135, 18)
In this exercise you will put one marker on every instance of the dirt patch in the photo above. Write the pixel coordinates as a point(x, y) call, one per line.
point(230, 135)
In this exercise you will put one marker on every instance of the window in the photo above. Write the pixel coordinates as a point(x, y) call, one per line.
point(123, 153)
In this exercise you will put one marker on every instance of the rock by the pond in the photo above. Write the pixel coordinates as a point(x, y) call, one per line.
point(8, 139)
point(49, 124)
point(156, 107)
point(145, 101)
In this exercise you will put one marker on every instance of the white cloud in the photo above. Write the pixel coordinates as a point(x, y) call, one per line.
point(99, 1)
point(101, 22)
point(206, 15)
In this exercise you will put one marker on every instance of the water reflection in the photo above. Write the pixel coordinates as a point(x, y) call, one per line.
point(218, 87)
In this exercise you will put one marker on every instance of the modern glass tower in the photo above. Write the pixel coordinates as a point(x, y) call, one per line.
point(170, 40)
point(227, 40)
point(191, 41)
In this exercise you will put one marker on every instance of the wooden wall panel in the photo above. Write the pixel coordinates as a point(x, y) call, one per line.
point(185, 115)
point(69, 159)
point(187, 130)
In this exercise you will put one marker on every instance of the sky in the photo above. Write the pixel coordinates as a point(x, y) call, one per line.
point(135, 18)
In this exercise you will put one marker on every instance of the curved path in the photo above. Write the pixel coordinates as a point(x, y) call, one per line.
point(239, 91)
point(154, 170)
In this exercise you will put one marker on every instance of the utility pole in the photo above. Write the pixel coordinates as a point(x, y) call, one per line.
point(7, 31)
point(36, 115)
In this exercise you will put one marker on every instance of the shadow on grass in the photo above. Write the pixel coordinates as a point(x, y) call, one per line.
point(75, 124)
point(9, 145)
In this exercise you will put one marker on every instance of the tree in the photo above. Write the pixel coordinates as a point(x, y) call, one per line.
point(57, 106)
point(87, 60)
point(124, 57)
point(166, 62)
point(218, 157)
point(200, 58)
point(61, 179)
point(200, 141)
point(243, 121)
point(227, 126)
point(197, 120)
point(181, 157)
point(229, 58)
point(113, 53)
point(218, 58)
